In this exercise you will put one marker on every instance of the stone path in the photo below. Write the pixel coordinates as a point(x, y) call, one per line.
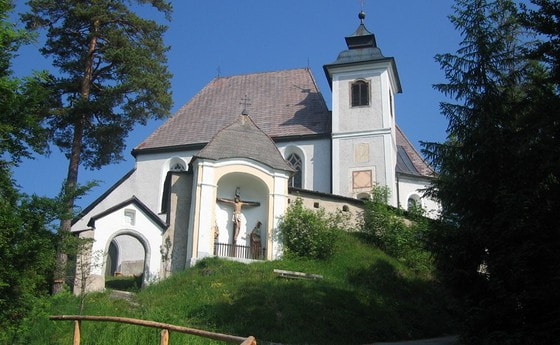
point(124, 295)
point(451, 340)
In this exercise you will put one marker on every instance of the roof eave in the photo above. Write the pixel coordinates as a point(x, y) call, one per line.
point(133, 200)
point(391, 61)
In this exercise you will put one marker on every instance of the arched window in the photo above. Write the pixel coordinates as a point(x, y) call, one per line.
point(178, 166)
point(413, 202)
point(363, 196)
point(295, 161)
point(175, 164)
point(360, 93)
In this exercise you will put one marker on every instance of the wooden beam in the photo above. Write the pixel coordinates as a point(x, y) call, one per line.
point(211, 335)
point(298, 275)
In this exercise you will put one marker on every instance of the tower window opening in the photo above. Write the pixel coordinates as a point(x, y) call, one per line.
point(360, 93)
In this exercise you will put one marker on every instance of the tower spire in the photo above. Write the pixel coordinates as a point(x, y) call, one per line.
point(361, 38)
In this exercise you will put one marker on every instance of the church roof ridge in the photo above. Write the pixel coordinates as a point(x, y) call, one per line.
point(260, 72)
point(284, 103)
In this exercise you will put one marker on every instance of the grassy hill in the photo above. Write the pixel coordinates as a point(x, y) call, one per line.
point(364, 297)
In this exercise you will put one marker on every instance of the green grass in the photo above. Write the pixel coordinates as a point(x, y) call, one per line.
point(124, 283)
point(365, 296)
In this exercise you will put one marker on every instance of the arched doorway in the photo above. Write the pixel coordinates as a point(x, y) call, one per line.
point(125, 264)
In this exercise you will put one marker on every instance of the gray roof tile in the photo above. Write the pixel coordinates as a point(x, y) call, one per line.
point(282, 103)
point(243, 139)
point(408, 155)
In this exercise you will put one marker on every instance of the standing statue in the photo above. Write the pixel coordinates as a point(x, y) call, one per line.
point(256, 246)
point(237, 205)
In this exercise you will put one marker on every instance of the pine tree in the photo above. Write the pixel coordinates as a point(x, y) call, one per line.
point(498, 180)
point(112, 75)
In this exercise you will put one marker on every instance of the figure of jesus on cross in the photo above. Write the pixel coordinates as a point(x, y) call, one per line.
point(237, 205)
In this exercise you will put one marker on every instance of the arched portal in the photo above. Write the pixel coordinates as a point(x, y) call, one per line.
point(126, 264)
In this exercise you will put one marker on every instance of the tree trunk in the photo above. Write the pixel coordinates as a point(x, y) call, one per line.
point(73, 166)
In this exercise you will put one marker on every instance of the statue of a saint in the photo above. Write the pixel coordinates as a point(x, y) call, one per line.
point(256, 246)
point(237, 205)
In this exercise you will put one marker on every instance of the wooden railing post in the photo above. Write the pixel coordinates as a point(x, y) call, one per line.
point(76, 332)
point(250, 341)
point(164, 339)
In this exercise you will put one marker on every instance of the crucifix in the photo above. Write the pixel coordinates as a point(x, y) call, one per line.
point(245, 104)
point(237, 205)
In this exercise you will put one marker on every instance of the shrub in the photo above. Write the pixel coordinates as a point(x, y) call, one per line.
point(389, 232)
point(307, 233)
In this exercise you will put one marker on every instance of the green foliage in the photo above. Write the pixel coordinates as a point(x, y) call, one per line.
point(387, 229)
point(364, 297)
point(112, 72)
point(544, 20)
point(499, 173)
point(26, 239)
point(307, 233)
point(112, 75)
point(26, 253)
point(23, 102)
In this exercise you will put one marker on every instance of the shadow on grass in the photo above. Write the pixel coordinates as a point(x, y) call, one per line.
point(124, 283)
point(300, 311)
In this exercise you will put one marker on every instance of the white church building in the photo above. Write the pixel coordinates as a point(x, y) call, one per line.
point(216, 178)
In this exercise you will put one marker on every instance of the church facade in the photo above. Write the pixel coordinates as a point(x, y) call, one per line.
point(216, 178)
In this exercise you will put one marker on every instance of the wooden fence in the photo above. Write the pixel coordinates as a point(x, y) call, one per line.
point(165, 329)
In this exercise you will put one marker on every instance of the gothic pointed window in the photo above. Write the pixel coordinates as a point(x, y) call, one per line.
point(360, 93)
point(296, 163)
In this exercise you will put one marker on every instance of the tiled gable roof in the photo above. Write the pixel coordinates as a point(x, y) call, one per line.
point(243, 139)
point(282, 103)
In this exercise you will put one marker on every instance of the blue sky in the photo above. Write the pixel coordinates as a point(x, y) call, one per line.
point(245, 36)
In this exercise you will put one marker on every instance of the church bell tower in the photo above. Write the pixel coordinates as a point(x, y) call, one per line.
point(363, 84)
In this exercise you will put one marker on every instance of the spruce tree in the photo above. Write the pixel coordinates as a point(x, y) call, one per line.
point(498, 180)
point(112, 75)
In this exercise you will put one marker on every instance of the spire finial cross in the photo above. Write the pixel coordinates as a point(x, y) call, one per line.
point(362, 14)
point(245, 103)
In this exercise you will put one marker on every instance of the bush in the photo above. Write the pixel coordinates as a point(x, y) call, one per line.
point(307, 233)
point(389, 232)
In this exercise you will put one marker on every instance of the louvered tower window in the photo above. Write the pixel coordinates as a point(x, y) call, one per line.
point(360, 93)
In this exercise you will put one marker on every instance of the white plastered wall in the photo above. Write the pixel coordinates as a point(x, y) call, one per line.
point(151, 171)
point(414, 186)
point(373, 125)
point(316, 159)
point(146, 183)
point(257, 182)
point(143, 229)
